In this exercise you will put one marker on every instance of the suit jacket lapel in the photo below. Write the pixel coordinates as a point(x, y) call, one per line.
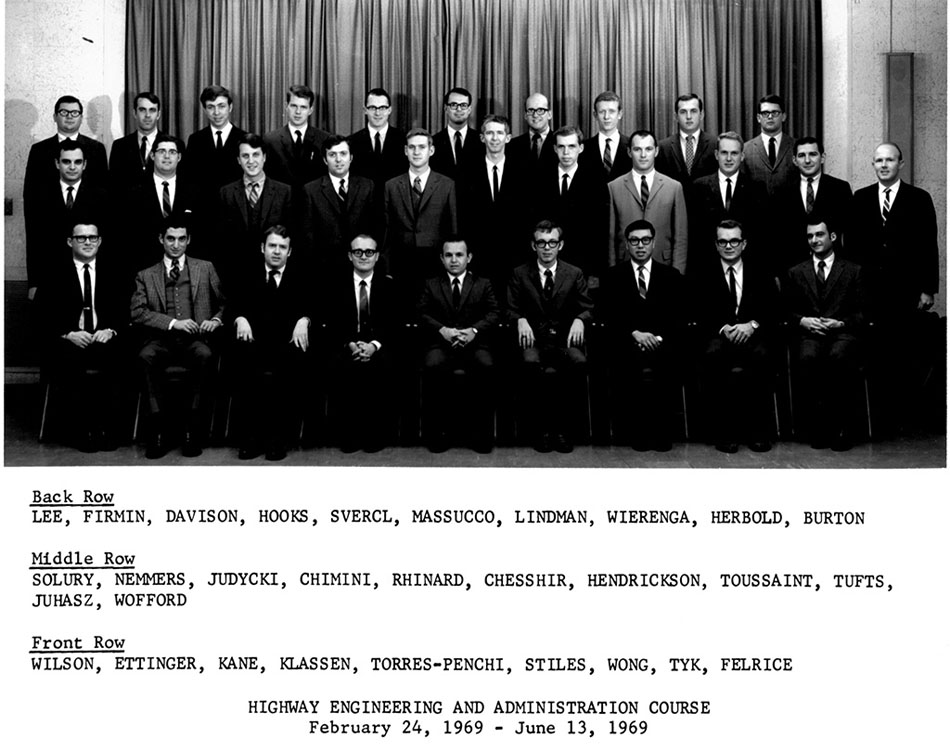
point(333, 198)
point(267, 194)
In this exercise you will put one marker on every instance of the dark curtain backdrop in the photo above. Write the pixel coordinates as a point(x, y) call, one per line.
point(730, 52)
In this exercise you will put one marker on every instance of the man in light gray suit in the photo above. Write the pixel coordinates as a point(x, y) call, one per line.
point(646, 194)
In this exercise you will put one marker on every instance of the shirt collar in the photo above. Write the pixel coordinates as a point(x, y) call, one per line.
point(737, 266)
point(225, 132)
point(541, 270)
point(293, 128)
point(382, 131)
point(357, 278)
point(460, 277)
point(259, 180)
point(647, 265)
point(92, 263)
point(168, 262)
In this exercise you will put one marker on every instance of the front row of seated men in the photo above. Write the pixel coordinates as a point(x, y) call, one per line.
point(179, 318)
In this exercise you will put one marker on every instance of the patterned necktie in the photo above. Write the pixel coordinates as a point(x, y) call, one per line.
point(608, 158)
point(548, 284)
point(69, 197)
point(378, 147)
point(364, 308)
point(564, 184)
point(641, 282)
point(733, 291)
point(536, 146)
point(166, 200)
point(220, 143)
point(885, 212)
point(494, 183)
point(416, 194)
point(772, 151)
point(272, 280)
point(810, 196)
point(175, 271)
point(87, 322)
point(690, 152)
point(342, 191)
point(458, 148)
point(456, 293)
point(644, 191)
point(143, 149)
point(728, 202)
point(255, 194)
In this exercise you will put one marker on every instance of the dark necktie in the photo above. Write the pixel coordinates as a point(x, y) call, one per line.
point(885, 212)
point(175, 271)
point(810, 196)
point(564, 184)
point(641, 282)
point(456, 293)
point(494, 183)
point(728, 202)
point(166, 200)
point(69, 197)
point(255, 194)
point(644, 191)
point(143, 149)
point(364, 308)
point(378, 147)
point(548, 284)
point(272, 280)
point(821, 277)
point(772, 151)
point(220, 143)
point(342, 191)
point(87, 323)
point(458, 148)
point(608, 158)
point(733, 291)
point(416, 194)
point(690, 152)
point(536, 145)
point(298, 142)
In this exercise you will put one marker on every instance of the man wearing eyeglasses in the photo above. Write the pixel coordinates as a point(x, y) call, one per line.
point(735, 309)
point(769, 157)
point(82, 310)
point(549, 303)
point(54, 206)
point(534, 151)
point(457, 148)
point(362, 316)
point(644, 312)
point(379, 148)
point(130, 161)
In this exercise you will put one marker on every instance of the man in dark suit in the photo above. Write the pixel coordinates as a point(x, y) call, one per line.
point(533, 151)
point(295, 151)
point(457, 310)
point(149, 204)
point(211, 156)
point(574, 196)
point(494, 215)
point(41, 170)
point(362, 324)
point(644, 193)
point(379, 149)
point(54, 207)
point(768, 156)
point(643, 304)
point(246, 208)
point(548, 300)
point(458, 151)
point(814, 193)
point(130, 161)
point(689, 153)
point(272, 318)
point(177, 307)
point(334, 208)
point(609, 149)
point(735, 311)
point(419, 213)
point(728, 194)
point(824, 298)
point(82, 308)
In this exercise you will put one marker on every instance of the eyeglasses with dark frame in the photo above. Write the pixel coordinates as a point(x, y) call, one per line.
point(770, 113)
point(69, 113)
point(375, 108)
point(550, 244)
point(536, 111)
point(639, 240)
point(364, 252)
point(733, 242)
point(458, 105)
point(85, 239)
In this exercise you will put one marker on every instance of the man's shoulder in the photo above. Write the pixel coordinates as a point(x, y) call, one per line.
point(276, 136)
point(664, 179)
point(276, 186)
point(668, 143)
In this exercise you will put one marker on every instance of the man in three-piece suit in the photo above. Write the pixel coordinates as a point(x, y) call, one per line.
point(609, 149)
point(495, 211)
point(150, 203)
point(82, 310)
point(574, 196)
point(130, 161)
point(728, 194)
point(379, 149)
point(768, 156)
point(458, 151)
point(825, 301)
point(246, 208)
point(177, 307)
point(813, 193)
point(643, 309)
point(689, 153)
point(334, 208)
point(735, 310)
point(548, 301)
point(211, 156)
point(295, 151)
point(457, 310)
point(362, 315)
point(644, 193)
point(54, 206)
point(419, 213)
point(272, 308)
point(533, 151)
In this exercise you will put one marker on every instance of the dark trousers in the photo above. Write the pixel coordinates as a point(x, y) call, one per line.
point(192, 353)
point(361, 397)
point(90, 378)
point(737, 379)
point(641, 385)
point(828, 368)
point(442, 407)
point(552, 380)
